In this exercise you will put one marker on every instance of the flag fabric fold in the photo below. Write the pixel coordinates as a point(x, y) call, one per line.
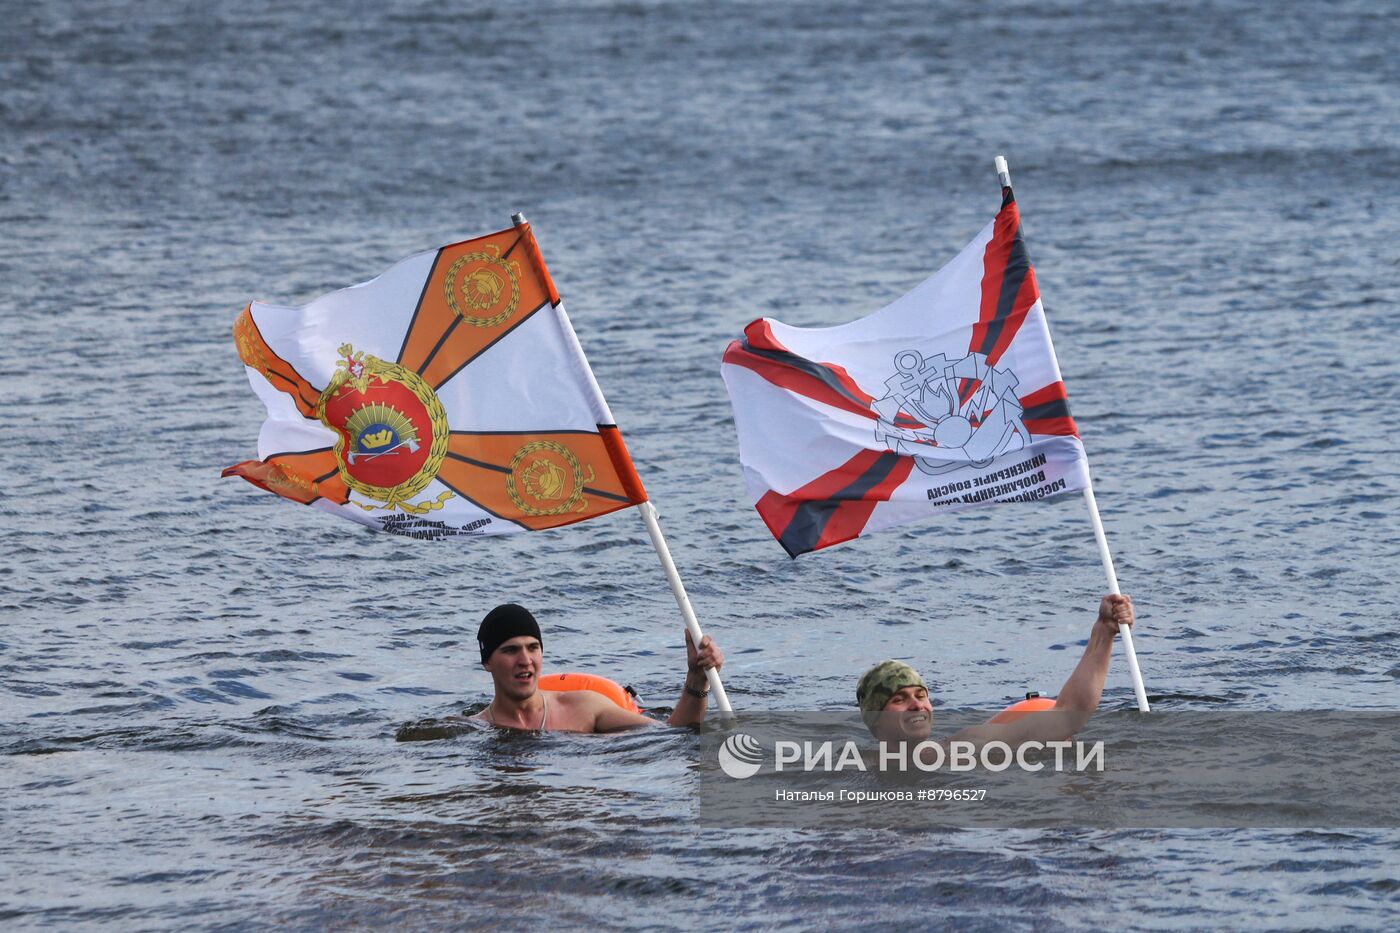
point(948, 398)
point(446, 398)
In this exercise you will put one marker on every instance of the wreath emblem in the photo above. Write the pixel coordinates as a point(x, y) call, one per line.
point(547, 479)
point(391, 431)
point(482, 288)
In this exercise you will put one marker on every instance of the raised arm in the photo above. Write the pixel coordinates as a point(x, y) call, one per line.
point(1078, 698)
point(1082, 691)
point(695, 696)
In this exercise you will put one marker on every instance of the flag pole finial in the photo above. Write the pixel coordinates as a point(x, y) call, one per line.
point(1003, 173)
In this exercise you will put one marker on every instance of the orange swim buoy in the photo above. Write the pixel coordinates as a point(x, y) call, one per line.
point(561, 683)
point(1033, 703)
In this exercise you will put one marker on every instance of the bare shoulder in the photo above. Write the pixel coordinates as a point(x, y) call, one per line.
point(575, 699)
point(592, 712)
point(576, 710)
point(1047, 726)
point(981, 734)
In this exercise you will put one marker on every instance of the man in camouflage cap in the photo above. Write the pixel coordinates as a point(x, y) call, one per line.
point(895, 703)
point(890, 688)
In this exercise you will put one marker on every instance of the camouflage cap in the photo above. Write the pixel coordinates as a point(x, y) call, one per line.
point(880, 683)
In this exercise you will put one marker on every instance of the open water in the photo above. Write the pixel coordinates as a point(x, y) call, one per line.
point(200, 685)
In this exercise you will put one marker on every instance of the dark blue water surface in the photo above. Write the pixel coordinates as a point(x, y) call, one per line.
point(200, 685)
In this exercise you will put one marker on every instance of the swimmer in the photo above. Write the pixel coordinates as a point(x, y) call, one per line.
point(513, 652)
point(895, 703)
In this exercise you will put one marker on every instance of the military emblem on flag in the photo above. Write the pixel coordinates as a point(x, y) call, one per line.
point(448, 397)
point(948, 398)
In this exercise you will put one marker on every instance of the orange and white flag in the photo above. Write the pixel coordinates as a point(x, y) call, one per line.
point(449, 397)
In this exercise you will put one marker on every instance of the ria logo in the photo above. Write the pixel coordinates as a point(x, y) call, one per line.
point(740, 756)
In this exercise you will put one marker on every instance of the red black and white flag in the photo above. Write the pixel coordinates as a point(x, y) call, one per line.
point(446, 398)
point(946, 399)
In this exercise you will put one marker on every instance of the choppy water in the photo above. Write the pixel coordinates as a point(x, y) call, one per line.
point(201, 685)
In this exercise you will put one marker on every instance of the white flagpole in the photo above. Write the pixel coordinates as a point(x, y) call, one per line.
point(1138, 687)
point(1004, 176)
point(691, 623)
point(647, 509)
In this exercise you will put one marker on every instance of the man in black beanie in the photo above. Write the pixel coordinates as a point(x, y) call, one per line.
point(512, 650)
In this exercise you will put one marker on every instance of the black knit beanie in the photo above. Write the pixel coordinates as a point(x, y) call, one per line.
point(502, 624)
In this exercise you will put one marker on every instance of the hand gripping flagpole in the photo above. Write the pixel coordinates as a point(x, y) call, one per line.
point(1004, 176)
point(646, 508)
